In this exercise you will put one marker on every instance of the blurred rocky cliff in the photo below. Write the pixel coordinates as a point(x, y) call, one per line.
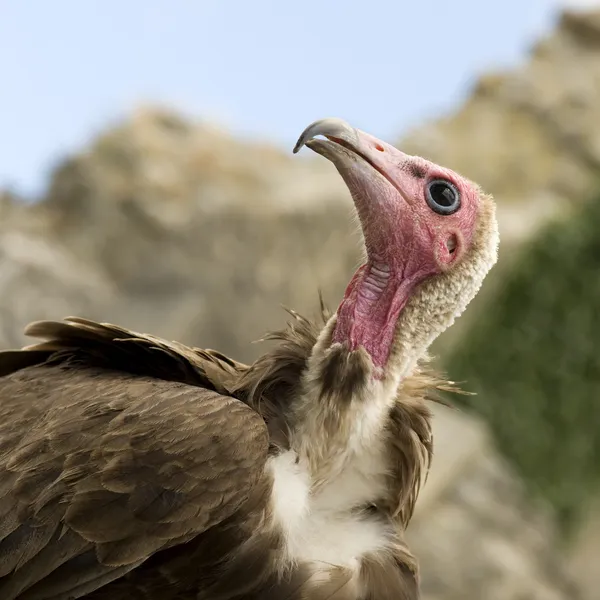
point(175, 227)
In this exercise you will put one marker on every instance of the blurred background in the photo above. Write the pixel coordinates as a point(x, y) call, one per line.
point(146, 178)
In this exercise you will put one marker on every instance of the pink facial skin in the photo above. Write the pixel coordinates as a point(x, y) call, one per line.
point(406, 240)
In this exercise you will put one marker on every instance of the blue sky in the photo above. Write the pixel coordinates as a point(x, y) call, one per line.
point(263, 67)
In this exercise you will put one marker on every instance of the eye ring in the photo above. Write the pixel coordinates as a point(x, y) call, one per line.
point(442, 197)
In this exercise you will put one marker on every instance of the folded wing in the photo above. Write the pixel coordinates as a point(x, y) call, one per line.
point(101, 468)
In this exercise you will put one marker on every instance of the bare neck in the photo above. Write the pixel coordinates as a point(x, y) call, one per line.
point(369, 312)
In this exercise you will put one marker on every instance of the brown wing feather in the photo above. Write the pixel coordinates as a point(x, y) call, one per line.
point(109, 346)
point(99, 468)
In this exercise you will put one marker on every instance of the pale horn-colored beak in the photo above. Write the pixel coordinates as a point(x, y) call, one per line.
point(330, 127)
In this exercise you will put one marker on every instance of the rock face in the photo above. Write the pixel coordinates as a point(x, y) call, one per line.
point(187, 224)
point(177, 228)
point(476, 532)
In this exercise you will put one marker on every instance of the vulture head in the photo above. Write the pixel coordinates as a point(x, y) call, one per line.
point(430, 238)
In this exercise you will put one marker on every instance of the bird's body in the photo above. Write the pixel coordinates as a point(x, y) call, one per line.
point(117, 387)
point(131, 467)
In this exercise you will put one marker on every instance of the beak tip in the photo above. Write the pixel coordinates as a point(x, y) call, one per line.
point(331, 126)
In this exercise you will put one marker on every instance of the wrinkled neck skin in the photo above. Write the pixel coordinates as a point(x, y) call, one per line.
point(369, 313)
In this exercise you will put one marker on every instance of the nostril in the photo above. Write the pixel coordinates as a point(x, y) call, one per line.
point(379, 147)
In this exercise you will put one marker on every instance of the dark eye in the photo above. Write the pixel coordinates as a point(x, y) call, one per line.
point(442, 197)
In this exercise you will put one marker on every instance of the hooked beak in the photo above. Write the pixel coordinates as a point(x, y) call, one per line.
point(331, 128)
point(345, 146)
point(377, 174)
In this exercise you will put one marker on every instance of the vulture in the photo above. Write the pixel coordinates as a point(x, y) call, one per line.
point(132, 467)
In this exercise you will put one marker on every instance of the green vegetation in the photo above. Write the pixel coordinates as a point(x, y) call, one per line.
point(534, 362)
